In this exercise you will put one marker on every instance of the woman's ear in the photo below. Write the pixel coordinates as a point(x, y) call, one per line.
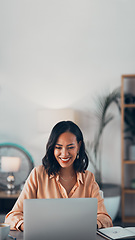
point(79, 145)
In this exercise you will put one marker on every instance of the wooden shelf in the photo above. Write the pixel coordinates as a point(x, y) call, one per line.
point(129, 190)
point(129, 105)
point(4, 194)
point(128, 76)
point(129, 161)
point(129, 219)
point(125, 82)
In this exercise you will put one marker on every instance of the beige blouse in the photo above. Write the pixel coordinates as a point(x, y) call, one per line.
point(40, 185)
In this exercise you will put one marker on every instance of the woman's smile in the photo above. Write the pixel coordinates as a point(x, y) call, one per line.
point(65, 159)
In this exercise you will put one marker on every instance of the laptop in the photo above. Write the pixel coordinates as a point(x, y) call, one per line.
point(60, 219)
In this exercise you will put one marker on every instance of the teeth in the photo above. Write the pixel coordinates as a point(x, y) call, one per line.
point(65, 159)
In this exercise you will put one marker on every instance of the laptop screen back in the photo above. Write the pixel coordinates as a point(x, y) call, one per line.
point(58, 219)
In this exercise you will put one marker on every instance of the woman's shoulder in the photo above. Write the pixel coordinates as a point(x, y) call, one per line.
point(89, 175)
point(39, 170)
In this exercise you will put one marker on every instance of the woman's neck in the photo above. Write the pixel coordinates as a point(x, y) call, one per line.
point(67, 172)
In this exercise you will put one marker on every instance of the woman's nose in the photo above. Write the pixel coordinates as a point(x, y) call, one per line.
point(64, 152)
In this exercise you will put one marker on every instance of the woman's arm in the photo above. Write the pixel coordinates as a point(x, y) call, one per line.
point(103, 218)
point(15, 217)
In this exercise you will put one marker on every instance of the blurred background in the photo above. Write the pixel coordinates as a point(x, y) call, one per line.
point(61, 55)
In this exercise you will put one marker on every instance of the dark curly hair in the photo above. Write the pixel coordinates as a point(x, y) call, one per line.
point(49, 161)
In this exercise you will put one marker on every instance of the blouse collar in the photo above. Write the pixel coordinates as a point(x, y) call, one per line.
point(79, 177)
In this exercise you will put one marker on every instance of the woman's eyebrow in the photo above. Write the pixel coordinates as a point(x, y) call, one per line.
point(67, 145)
point(70, 144)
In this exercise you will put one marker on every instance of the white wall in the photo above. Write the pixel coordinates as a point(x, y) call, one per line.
point(58, 54)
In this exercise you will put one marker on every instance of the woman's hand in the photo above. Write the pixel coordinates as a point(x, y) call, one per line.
point(21, 227)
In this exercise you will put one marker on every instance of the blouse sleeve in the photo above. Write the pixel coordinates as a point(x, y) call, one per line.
point(103, 218)
point(15, 217)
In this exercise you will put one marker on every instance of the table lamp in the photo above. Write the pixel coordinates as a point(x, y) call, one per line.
point(10, 165)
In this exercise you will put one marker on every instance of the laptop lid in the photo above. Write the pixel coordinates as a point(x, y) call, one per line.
point(58, 219)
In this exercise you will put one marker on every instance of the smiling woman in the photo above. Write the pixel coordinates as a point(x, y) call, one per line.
point(63, 174)
point(65, 141)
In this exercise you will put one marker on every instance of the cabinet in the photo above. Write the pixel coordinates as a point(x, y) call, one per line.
point(127, 136)
point(7, 201)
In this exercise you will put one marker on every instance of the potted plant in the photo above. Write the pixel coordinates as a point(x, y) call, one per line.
point(104, 117)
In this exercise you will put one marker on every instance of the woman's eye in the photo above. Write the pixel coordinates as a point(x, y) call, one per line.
point(57, 147)
point(70, 147)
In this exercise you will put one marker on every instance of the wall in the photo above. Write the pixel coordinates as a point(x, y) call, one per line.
point(58, 54)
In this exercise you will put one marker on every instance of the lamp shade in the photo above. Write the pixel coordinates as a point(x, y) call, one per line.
point(10, 164)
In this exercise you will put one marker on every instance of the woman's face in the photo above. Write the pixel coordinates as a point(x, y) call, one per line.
point(66, 149)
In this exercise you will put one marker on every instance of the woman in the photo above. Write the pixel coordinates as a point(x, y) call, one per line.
point(62, 175)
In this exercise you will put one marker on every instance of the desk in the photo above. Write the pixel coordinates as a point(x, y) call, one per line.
point(19, 235)
point(5, 195)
